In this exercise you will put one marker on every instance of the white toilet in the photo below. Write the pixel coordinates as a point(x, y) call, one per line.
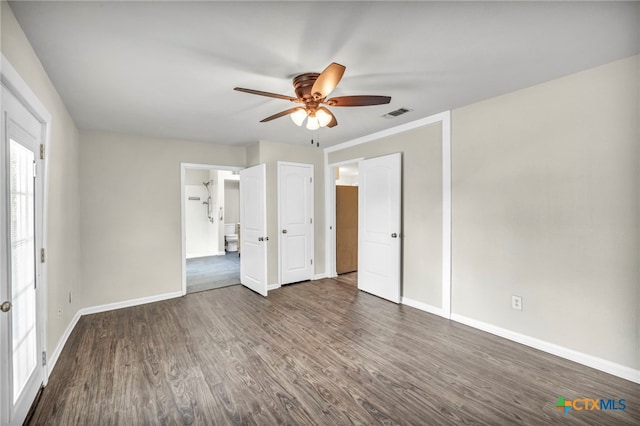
point(230, 237)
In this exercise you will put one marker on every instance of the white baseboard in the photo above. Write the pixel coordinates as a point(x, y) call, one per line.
point(422, 306)
point(53, 358)
point(273, 287)
point(319, 276)
point(129, 303)
point(604, 365)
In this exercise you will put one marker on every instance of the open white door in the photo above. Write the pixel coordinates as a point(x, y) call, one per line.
point(253, 229)
point(21, 298)
point(379, 225)
point(295, 218)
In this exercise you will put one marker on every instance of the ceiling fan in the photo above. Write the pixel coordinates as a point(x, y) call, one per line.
point(312, 90)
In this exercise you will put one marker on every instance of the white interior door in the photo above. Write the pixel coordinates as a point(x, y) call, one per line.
point(295, 215)
point(21, 327)
point(253, 229)
point(379, 225)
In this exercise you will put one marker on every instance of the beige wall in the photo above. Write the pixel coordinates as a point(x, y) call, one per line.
point(253, 154)
point(546, 206)
point(130, 212)
point(270, 153)
point(196, 176)
point(231, 201)
point(421, 150)
point(63, 231)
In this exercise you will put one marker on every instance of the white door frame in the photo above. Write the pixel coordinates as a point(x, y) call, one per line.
point(14, 83)
point(183, 227)
point(311, 207)
point(445, 119)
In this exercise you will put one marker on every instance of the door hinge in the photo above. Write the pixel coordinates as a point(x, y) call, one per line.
point(44, 358)
point(310, 220)
point(310, 180)
point(41, 151)
point(41, 255)
point(312, 261)
point(35, 170)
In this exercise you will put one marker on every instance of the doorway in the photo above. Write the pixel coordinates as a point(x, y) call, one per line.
point(379, 224)
point(343, 173)
point(210, 221)
point(346, 189)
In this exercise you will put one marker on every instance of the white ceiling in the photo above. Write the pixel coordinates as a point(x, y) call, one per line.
point(167, 69)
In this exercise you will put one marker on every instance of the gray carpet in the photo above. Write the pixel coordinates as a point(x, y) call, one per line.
point(206, 273)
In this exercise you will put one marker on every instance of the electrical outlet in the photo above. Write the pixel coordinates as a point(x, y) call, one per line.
point(59, 312)
point(516, 302)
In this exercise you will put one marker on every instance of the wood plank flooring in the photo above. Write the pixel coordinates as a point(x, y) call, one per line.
point(312, 353)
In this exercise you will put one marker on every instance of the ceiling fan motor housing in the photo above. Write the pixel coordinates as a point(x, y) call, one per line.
point(303, 84)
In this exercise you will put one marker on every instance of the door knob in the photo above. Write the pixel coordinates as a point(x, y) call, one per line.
point(260, 239)
point(5, 307)
point(284, 231)
point(394, 235)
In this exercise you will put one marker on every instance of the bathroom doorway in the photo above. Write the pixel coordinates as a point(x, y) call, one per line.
point(210, 226)
point(346, 219)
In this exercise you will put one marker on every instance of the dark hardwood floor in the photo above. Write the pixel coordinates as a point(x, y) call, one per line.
point(311, 353)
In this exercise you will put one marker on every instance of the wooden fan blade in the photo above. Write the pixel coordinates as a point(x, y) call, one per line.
point(327, 81)
point(268, 94)
point(333, 121)
point(363, 100)
point(280, 114)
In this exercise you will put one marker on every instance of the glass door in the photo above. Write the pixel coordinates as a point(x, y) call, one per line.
point(20, 324)
point(22, 265)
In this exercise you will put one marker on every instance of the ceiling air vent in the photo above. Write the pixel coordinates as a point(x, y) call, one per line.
point(396, 113)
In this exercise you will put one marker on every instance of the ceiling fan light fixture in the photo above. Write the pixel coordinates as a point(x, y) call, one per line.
point(312, 122)
point(312, 90)
point(323, 118)
point(299, 116)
